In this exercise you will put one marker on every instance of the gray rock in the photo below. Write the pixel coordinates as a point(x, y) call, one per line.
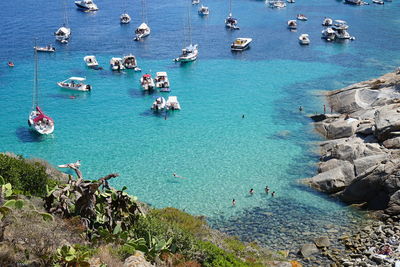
point(308, 249)
point(394, 204)
point(362, 164)
point(392, 143)
point(387, 121)
point(322, 241)
point(341, 128)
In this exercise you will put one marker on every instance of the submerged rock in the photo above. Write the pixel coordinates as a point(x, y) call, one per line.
point(308, 249)
point(322, 242)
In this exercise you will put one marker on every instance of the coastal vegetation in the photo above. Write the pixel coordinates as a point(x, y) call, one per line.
point(47, 222)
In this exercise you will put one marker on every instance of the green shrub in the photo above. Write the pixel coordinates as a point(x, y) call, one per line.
point(217, 257)
point(24, 177)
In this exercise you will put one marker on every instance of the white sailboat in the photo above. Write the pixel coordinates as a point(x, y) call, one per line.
point(230, 21)
point(38, 120)
point(143, 30)
point(64, 32)
point(125, 18)
point(190, 52)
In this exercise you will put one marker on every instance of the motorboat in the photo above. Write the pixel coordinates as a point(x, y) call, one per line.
point(379, 2)
point(231, 22)
point(241, 44)
point(125, 18)
point(327, 22)
point(292, 24)
point(276, 4)
point(161, 80)
point(302, 17)
point(10, 64)
point(304, 39)
point(356, 2)
point(172, 103)
point(63, 34)
point(142, 31)
point(203, 11)
point(130, 62)
point(195, 2)
point(291, 1)
point(91, 61)
point(340, 27)
point(189, 54)
point(86, 5)
point(37, 119)
point(116, 64)
point(158, 104)
point(147, 82)
point(328, 34)
point(76, 84)
point(48, 48)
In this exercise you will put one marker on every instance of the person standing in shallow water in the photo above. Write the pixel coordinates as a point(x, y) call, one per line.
point(266, 190)
point(233, 202)
point(273, 194)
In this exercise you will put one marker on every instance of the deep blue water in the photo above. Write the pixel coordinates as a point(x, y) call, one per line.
point(221, 154)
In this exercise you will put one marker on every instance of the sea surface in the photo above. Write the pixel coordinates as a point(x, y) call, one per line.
point(240, 126)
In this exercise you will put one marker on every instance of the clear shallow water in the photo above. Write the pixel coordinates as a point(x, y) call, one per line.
point(221, 155)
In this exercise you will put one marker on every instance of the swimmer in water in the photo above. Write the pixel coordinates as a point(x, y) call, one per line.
point(233, 202)
point(177, 176)
point(251, 192)
point(266, 190)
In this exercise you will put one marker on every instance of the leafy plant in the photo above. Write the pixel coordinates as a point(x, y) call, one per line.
point(72, 256)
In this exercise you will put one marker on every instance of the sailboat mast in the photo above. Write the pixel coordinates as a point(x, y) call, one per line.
point(143, 10)
point(65, 15)
point(190, 26)
point(230, 7)
point(35, 94)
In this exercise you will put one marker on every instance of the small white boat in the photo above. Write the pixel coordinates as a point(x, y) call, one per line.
point(304, 39)
point(49, 48)
point(172, 103)
point(292, 24)
point(63, 34)
point(241, 44)
point(86, 5)
point(76, 84)
point(356, 2)
point(189, 54)
point(291, 1)
point(161, 80)
point(91, 61)
point(195, 2)
point(142, 31)
point(147, 82)
point(203, 11)
point(116, 64)
point(130, 62)
point(158, 104)
point(231, 22)
point(302, 17)
point(379, 2)
point(276, 3)
point(328, 34)
point(327, 22)
point(340, 27)
point(125, 18)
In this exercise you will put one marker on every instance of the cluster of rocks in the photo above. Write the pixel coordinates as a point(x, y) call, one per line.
point(360, 160)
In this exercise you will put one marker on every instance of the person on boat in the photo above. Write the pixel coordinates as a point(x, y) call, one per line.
point(251, 192)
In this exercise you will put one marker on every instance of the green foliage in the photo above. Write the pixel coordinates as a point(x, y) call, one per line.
point(217, 257)
point(76, 255)
point(235, 245)
point(25, 177)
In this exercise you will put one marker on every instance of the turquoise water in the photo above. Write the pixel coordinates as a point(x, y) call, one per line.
point(220, 154)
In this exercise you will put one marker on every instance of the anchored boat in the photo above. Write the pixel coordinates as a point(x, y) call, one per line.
point(76, 84)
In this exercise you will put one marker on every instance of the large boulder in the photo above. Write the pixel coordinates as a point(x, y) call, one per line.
point(308, 249)
point(322, 242)
point(364, 163)
point(392, 143)
point(394, 204)
point(387, 121)
point(341, 128)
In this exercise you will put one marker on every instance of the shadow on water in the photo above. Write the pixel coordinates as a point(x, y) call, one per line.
point(153, 113)
point(68, 95)
point(27, 135)
point(138, 93)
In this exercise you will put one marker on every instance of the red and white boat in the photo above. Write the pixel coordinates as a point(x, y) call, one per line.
point(147, 82)
point(38, 120)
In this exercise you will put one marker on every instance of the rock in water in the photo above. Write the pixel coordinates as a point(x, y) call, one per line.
point(308, 249)
point(322, 242)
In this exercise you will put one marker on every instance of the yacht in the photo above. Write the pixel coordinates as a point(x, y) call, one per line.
point(142, 31)
point(241, 44)
point(116, 64)
point(161, 80)
point(277, 4)
point(172, 103)
point(91, 61)
point(292, 24)
point(231, 22)
point(302, 17)
point(76, 84)
point(327, 22)
point(63, 34)
point(125, 18)
point(304, 39)
point(130, 62)
point(189, 54)
point(86, 5)
point(147, 82)
point(158, 104)
point(328, 34)
point(49, 48)
point(340, 27)
point(379, 2)
point(203, 11)
point(356, 2)
point(195, 2)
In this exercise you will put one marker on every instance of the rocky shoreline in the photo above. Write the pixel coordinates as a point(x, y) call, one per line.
point(360, 164)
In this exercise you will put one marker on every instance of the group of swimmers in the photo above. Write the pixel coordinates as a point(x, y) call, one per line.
point(251, 192)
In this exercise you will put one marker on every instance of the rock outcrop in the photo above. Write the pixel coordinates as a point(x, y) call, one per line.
point(360, 161)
